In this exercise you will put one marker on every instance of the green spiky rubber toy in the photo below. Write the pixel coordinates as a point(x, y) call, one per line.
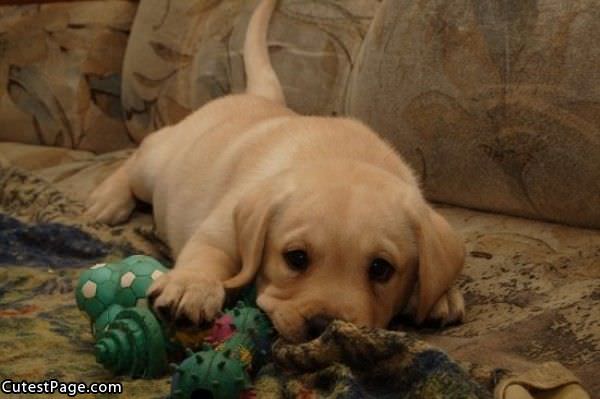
point(130, 339)
point(240, 343)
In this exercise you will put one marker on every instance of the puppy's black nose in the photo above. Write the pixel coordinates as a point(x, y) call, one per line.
point(316, 325)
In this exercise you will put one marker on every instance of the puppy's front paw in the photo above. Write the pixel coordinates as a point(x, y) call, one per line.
point(185, 299)
point(449, 309)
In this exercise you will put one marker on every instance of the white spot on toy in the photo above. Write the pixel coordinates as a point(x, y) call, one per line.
point(89, 289)
point(127, 279)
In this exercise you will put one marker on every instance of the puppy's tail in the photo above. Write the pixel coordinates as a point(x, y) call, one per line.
point(261, 78)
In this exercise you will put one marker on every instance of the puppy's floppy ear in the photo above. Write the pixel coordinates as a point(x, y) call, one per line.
point(252, 217)
point(441, 258)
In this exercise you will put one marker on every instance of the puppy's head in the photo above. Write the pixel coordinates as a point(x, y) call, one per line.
point(342, 241)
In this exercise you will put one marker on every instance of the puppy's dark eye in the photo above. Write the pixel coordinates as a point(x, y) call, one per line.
point(296, 259)
point(380, 270)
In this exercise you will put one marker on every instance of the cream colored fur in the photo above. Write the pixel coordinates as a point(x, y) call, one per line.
point(244, 179)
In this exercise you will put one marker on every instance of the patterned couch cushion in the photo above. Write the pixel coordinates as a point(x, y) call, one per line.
point(60, 74)
point(496, 104)
point(184, 53)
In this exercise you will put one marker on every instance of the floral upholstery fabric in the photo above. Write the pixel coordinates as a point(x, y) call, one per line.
point(495, 104)
point(60, 74)
point(182, 54)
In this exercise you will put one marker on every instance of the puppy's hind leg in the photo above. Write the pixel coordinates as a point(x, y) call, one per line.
point(112, 201)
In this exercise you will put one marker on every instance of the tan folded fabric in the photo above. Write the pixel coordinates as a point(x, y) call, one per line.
point(548, 381)
point(74, 172)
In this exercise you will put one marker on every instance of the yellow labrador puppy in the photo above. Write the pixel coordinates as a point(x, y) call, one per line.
point(325, 215)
